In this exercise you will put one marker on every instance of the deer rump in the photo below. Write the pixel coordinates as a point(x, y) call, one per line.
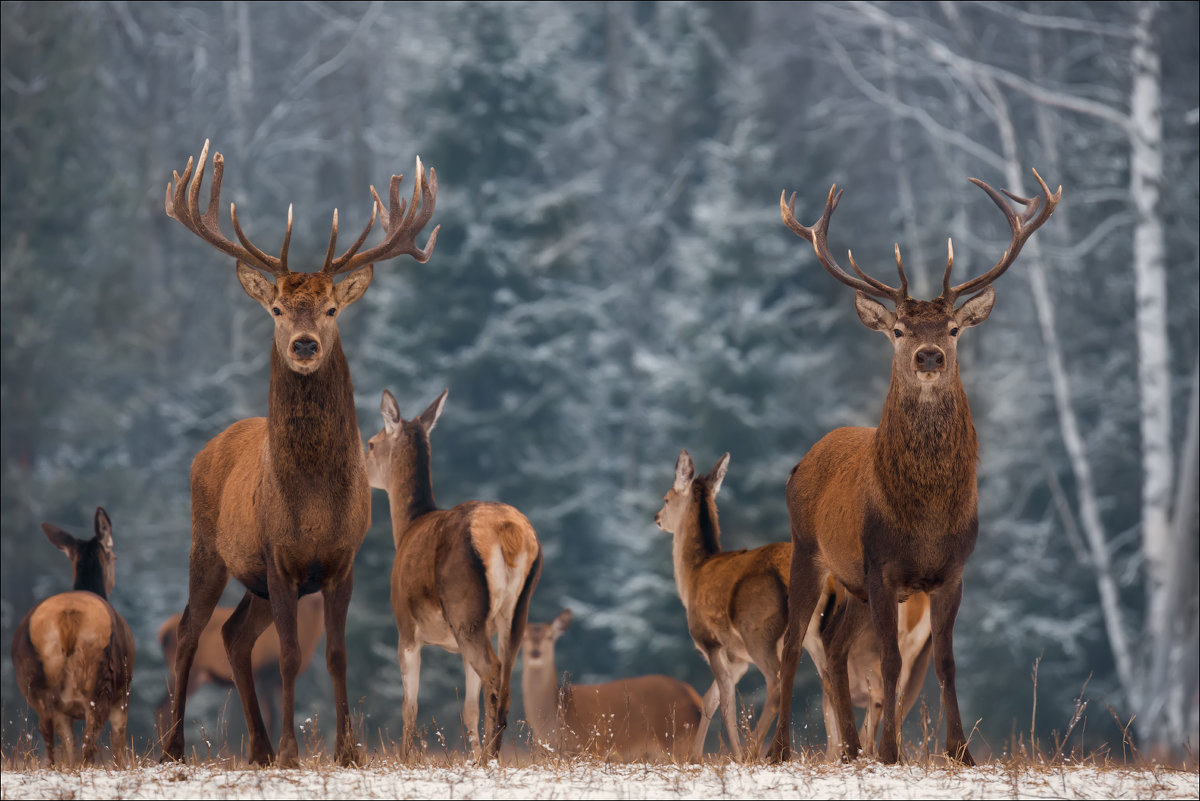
point(623, 719)
point(436, 585)
point(73, 650)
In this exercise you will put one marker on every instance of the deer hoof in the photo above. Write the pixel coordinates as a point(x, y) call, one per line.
point(961, 755)
point(779, 752)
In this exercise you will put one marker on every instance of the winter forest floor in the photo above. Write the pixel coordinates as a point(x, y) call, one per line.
point(556, 778)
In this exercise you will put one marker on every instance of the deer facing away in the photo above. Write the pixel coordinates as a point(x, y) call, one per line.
point(211, 665)
point(893, 510)
point(281, 502)
point(73, 654)
point(643, 719)
point(460, 577)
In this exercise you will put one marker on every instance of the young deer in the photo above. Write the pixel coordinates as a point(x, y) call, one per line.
point(892, 511)
point(211, 665)
point(648, 718)
point(460, 577)
point(73, 654)
point(281, 502)
point(737, 606)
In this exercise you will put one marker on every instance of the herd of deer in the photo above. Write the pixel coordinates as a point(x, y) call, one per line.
point(882, 522)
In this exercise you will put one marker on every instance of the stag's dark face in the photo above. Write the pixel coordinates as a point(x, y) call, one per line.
point(305, 308)
point(924, 334)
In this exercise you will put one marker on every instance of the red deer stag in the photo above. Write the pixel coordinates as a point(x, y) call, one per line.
point(891, 511)
point(460, 577)
point(281, 502)
point(73, 654)
point(211, 665)
point(647, 718)
point(737, 603)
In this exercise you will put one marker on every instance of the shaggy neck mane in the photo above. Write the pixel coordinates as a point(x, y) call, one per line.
point(89, 572)
point(312, 426)
point(925, 451)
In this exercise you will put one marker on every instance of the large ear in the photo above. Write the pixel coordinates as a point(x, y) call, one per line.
point(429, 417)
point(353, 286)
point(714, 479)
point(390, 411)
point(59, 538)
point(975, 310)
point(256, 284)
point(104, 529)
point(685, 471)
point(874, 314)
point(562, 623)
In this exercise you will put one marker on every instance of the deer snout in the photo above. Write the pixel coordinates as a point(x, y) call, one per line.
point(305, 348)
point(929, 360)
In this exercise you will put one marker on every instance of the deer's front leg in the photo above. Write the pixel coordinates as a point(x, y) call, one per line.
point(337, 604)
point(283, 611)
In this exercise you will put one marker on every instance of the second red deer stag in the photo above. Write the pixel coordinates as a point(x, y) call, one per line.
point(893, 510)
point(647, 718)
point(460, 577)
point(281, 502)
point(211, 665)
point(73, 654)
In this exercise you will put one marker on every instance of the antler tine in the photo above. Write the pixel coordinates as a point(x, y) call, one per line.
point(182, 203)
point(403, 221)
point(946, 292)
point(817, 236)
point(1037, 211)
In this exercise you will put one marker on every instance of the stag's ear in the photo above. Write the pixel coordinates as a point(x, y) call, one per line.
point(717, 476)
point(562, 623)
point(977, 309)
point(390, 411)
point(353, 286)
point(256, 285)
point(104, 529)
point(685, 471)
point(874, 314)
point(430, 416)
point(59, 538)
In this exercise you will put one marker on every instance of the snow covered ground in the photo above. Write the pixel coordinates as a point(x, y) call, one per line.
point(597, 780)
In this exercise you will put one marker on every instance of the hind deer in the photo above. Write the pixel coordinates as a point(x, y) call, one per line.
point(893, 510)
point(281, 502)
point(647, 718)
point(211, 665)
point(460, 577)
point(73, 654)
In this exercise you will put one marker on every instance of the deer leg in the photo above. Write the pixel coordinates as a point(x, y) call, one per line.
point(943, 610)
point(118, 718)
point(46, 727)
point(283, 595)
point(409, 654)
point(708, 706)
point(478, 652)
point(723, 674)
point(94, 717)
point(884, 610)
point(207, 577)
point(337, 604)
point(65, 727)
point(510, 645)
point(837, 636)
point(470, 713)
point(805, 583)
point(240, 632)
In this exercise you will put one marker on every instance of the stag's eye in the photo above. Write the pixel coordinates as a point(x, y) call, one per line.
point(332, 311)
point(897, 333)
point(953, 332)
point(275, 310)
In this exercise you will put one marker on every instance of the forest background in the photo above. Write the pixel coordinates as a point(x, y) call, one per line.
point(612, 283)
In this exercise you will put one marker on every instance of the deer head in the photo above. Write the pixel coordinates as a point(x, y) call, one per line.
point(400, 441)
point(924, 333)
point(92, 561)
point(540, 637)
point(305, 306)
point(675, 503)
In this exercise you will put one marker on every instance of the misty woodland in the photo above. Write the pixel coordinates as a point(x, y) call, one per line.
point(799, 381)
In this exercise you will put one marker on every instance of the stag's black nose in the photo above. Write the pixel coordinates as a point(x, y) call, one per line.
point(305, 348)
point(930, 360)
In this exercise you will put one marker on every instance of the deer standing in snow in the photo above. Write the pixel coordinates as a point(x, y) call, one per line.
point(281, 502)
point(893, 510)
point(73, 654)
point(460, 577)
